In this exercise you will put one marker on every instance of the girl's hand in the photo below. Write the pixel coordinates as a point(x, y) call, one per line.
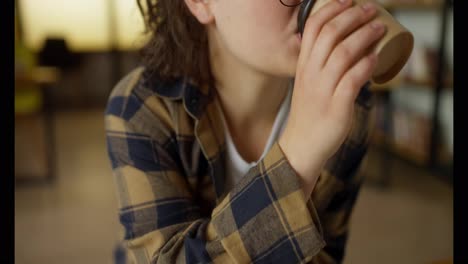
point(334, 63)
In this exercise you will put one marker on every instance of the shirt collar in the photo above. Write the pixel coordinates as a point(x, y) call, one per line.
point(201, 104)
point(195, 98)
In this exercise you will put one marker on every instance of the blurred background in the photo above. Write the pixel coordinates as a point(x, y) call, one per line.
point(68, 56)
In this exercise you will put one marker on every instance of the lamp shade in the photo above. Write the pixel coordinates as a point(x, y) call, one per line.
point(55, 53)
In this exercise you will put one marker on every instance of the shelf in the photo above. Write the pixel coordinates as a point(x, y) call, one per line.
point(448, 83)
point(408, 153)
point(413, 6)
point(382, 88)
point(417, 151)
point(425, 84)
point(381, 140)
point(388, 86)
point(443, 169)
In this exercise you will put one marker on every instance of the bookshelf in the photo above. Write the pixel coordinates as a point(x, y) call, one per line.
point(415, 5)
point(414, 137)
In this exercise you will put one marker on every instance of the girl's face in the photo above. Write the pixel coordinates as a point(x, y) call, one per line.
point(258, 33)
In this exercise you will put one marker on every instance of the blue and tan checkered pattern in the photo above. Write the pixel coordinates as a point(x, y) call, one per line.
point(166, 146)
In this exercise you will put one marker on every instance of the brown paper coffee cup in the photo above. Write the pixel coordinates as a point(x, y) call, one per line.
point(394, 49)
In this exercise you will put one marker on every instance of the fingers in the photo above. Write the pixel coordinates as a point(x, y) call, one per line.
point(353, 80)
point(350, 50)
point(338, 29)
point(314, 25)
point(334, 42)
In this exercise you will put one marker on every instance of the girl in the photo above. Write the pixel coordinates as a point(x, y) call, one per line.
point(239, 140)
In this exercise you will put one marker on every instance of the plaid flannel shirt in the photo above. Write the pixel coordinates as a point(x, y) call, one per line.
point(167, 148)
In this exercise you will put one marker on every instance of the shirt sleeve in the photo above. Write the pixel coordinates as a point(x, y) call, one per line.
point(342, 173)
point(265, 218)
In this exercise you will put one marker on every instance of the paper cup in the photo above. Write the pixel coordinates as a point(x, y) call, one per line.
point(393, 49)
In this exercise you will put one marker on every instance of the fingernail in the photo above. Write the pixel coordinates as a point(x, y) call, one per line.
point(368, 7)
point(377, 26)
point(343, 1)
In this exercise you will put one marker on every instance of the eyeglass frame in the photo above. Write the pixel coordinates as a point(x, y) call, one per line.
point(294, 5)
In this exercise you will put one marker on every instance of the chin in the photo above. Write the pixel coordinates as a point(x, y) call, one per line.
point(285, 73)
point(289, 69)
point(284, 67)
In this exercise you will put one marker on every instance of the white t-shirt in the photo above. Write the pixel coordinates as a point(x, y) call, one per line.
point(236, 166)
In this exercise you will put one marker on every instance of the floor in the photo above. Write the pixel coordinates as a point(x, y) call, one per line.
point(74, 220)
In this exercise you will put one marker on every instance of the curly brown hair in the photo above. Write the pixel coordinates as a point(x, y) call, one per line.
point(178, 46)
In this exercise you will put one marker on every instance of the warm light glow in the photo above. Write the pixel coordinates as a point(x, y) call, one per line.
point(129, 25)
point(83, 23)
